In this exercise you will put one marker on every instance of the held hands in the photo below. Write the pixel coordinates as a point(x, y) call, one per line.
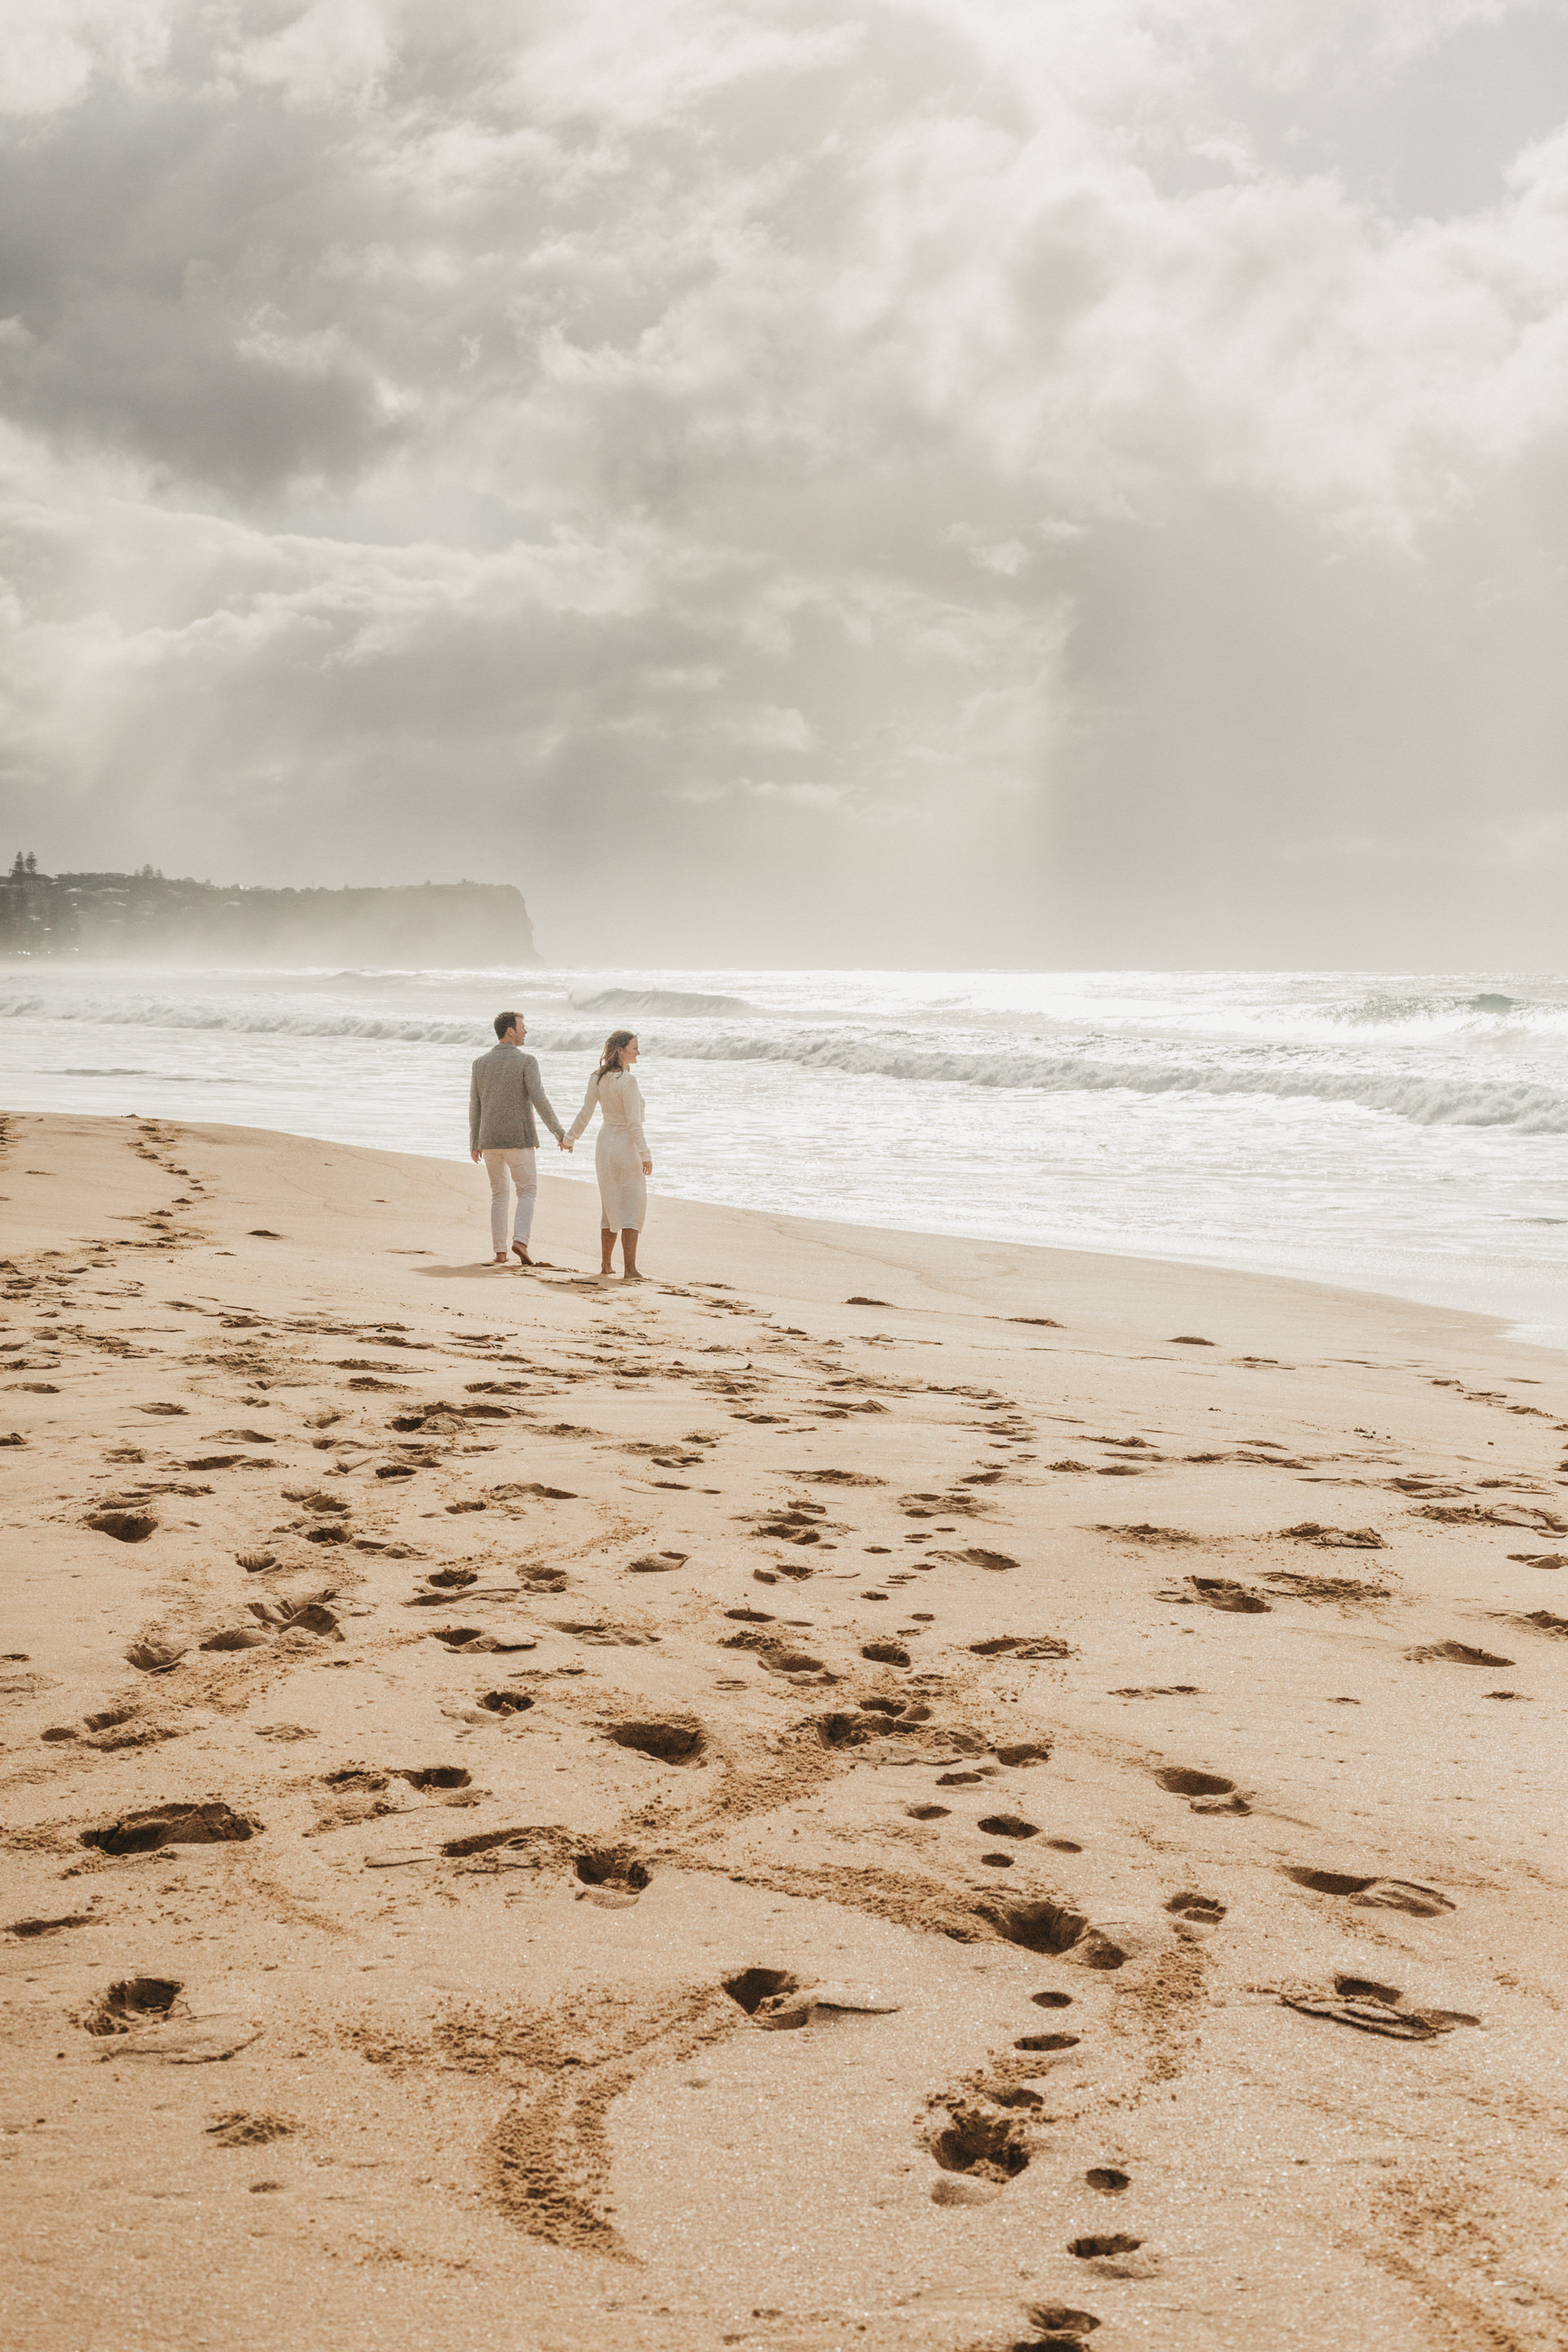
point(561, 1144)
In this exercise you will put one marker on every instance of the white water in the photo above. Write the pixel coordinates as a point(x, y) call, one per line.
point(1407, 1134)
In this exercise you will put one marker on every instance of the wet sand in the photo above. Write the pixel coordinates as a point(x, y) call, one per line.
point(869, 1792)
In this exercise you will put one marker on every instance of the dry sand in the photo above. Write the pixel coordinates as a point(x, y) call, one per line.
point(870, 1792)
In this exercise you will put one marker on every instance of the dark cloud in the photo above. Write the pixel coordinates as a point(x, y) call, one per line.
point(160, 271)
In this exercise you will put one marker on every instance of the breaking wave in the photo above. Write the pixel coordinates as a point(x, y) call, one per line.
point(1387, 1009)
point(674, 1004)
point(1427, 1100)
point(1408, 1085)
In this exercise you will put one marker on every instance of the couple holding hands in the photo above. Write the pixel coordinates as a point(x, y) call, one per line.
point(502, 1099)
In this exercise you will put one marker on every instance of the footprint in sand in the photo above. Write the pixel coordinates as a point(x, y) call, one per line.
point(307, 1614)
point(1544, 1621)
point(1336, 1539)
point(239, 2129)
point(976, 1556)
point(1201, 1910)
point(154, 1658)
point(1379, 2009)
point(1372, 1893)
point(983, 2146)
point(750, 1987)
point(1021, 1645)
point(467, 1638)
point(670, 1742)
point(30, 1927)
point(1062, 2327)
point(1101, 2249)
point(1223, 1592)
point(781, 2003)
point(612, 1876)
point(1210, 1792)
point(212, 1823)
point(125, 1526)
point(1455, 1653)
point(133, 2001)
point(1042, 1926)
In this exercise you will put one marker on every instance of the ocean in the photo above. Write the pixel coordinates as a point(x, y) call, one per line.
point(1404, 1134)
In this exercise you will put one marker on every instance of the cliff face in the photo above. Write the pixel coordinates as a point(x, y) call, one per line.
point(141, 918)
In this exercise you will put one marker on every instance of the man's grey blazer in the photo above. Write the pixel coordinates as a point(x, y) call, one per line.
point(502, 1097)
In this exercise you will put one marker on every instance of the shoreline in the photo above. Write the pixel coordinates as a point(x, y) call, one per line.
point(1505, 1328)
point(474, 1722)
point(918, 1243)
point(1400, 1139)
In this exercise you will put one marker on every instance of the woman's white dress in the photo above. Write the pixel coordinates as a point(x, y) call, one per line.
point(619, 1153)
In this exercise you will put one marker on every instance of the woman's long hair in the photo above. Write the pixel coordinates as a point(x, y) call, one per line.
point(615, 1044)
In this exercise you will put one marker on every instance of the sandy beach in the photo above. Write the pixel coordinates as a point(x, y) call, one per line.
point(684, 1816)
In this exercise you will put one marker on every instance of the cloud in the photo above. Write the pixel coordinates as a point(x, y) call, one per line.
point(49, 56)
point(932, 479)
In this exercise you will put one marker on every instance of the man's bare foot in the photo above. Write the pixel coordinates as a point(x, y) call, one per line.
point(520, 1255)
point(501, 1258)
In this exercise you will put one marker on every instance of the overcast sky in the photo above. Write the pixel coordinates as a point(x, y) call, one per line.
point(949, 481)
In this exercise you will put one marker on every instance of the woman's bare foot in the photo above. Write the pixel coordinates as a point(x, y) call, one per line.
point(631, 1274)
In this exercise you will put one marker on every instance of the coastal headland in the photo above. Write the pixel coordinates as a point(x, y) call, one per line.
point(151, 918)
point(873, 1792)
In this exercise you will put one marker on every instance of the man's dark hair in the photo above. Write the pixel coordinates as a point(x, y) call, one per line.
point(505, 1021)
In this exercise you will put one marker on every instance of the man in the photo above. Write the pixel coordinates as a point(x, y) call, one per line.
point(502, 1099)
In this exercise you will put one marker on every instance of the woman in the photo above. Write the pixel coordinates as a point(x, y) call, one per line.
point(621, 1159)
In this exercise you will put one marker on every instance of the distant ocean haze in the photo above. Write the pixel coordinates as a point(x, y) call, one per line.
point(1407, 1134)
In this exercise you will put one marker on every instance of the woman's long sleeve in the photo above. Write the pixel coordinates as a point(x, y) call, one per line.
point(590, 1103)
point(633, 1117)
